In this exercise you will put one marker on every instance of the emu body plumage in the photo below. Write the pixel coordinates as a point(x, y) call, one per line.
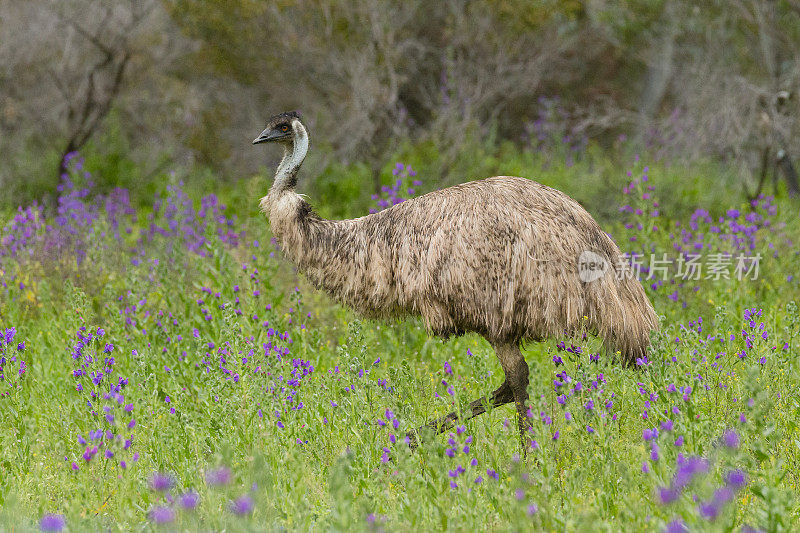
point(497, 256)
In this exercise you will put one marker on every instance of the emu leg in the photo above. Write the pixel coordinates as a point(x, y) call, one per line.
point(516, 370)
point(501, 396)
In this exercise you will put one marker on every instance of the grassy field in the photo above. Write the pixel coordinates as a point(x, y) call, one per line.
point(164, 368)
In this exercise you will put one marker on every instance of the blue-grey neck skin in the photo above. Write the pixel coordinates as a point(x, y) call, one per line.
point(293, 156)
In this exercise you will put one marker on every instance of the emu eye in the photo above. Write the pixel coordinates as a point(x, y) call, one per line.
point(284, 128)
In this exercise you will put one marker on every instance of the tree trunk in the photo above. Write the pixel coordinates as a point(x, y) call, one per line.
point(789, 173)
point(659, 70)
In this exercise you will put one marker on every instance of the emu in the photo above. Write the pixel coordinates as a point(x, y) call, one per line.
point(498, 256)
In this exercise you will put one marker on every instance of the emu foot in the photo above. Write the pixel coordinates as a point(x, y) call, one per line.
point(436, 426)
point(501, 396)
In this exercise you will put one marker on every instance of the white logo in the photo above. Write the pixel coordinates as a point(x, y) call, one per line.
point(591, 266)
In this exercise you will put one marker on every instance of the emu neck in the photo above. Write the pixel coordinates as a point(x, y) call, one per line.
point(290, 216)
point(293, 156)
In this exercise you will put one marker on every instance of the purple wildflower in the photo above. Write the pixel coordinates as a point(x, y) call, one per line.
point(52, 522)
point(219, 476)
point(649, 434)
point(162, 515)
point(676, 526)
point(242, 505)
point(730, 439)
point(161, 482)
point(667, 495)
point(189, 500)
point(736, 479)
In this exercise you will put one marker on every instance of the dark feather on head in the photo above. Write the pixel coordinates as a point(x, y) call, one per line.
point(282, 118)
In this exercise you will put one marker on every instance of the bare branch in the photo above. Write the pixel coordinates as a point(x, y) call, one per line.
point(92, 38)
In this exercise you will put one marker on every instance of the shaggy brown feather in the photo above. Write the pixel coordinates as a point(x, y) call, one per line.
point(497, 256)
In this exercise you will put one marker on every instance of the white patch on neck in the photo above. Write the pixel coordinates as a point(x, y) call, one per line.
point(300, 143)
point(291, 161)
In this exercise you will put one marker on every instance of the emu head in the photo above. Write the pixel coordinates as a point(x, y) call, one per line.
point(286, 130)
point(280, 128)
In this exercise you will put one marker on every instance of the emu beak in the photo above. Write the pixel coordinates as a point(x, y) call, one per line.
point(266, 136)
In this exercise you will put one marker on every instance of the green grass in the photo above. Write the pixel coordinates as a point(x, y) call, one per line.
point(326, 468)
